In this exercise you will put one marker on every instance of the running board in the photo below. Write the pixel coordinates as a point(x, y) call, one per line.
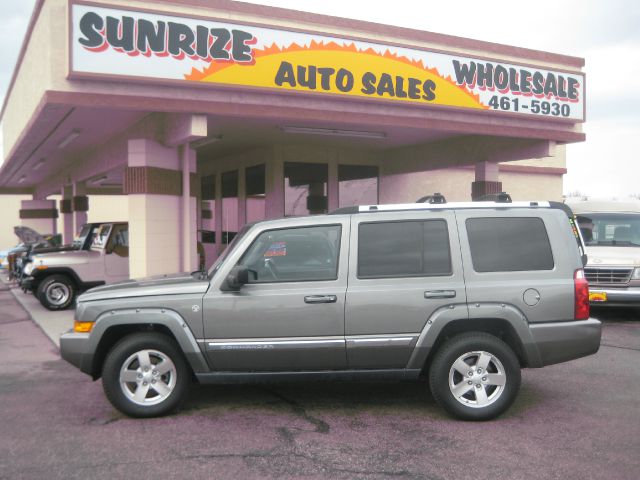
point(304, 376)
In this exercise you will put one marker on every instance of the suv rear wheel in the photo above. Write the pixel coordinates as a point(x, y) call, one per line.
point(145, 375)
point(56, 292)
point(475, 376)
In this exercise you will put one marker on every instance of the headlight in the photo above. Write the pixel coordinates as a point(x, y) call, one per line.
point(636, 274)
point(28, 269)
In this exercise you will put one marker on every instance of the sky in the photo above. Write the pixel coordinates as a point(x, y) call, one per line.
point(606, 34)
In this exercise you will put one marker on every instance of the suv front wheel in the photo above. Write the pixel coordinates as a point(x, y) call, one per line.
point(145, 375)
point(475, 376)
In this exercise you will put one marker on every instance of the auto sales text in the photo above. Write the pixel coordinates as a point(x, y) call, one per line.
point(327, 78)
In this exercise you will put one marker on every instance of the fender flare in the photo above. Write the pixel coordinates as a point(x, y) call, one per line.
point(146, 316)
point(478, 311)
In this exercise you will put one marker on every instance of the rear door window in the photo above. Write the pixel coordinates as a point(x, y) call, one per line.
point(403, 249)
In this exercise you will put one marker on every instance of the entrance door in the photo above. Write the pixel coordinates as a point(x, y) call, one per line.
point(116, 254)
point(291, 315)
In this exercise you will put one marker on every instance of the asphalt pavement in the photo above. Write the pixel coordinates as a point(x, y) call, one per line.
point(578, 420)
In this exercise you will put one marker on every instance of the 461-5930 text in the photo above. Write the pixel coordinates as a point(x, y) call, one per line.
point(541, 107)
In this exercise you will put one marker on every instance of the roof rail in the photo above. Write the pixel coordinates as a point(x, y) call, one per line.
point(442, 206)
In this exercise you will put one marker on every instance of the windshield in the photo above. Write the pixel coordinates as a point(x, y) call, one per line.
point(218, 263)
point(100, 240)
point(78, 242)
point(610, 229)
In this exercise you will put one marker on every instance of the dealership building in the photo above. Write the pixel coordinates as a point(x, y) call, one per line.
point(207, 115)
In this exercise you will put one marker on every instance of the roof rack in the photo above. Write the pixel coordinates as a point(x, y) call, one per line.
point(435, 198)
point(443, 206)
point(502, 197)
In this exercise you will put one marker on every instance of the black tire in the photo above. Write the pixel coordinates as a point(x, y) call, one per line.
point(56, 292)
point(476, 394)
point(123, 356)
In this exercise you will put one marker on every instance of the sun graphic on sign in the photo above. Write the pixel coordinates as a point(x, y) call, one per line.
point(405, 79)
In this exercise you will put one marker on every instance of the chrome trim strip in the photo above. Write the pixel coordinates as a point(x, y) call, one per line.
point(273, 342)
point(354, 341)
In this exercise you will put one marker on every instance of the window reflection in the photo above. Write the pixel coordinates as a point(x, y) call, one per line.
point(357, 185)
point(305, 188)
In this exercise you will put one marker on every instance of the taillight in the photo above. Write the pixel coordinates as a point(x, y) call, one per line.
point(581, 285)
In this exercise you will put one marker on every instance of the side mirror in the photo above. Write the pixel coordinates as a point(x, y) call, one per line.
point(584, 259)
point(238, 276)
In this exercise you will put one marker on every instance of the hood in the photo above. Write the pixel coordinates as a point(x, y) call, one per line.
point(65, 258)
point(175, 284)
point(613, 256)
point(28, 235)
point(61, 248)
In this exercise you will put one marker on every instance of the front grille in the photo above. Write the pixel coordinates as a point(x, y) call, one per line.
point(599, 275)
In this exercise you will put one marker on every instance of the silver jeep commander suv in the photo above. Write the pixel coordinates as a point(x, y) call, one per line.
point(464, 295)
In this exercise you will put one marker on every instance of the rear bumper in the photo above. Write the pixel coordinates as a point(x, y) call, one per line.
point(616, 297)
point(563, 341)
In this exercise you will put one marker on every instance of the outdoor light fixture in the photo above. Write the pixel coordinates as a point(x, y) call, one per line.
point(332, 132)
point(99, 179)
point(69, 138)
point(203, 142)
point(40, 163)
point(22, 179)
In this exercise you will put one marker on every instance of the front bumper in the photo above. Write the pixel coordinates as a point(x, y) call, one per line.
point(27, 283)
point(563, 341)
point(73, 349)
point(617, 297)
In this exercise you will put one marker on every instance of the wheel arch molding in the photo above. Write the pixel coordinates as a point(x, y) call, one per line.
point(113, 325)
point(501, 320)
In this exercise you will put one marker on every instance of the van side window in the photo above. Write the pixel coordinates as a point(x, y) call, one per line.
point(403, 249)
point(294, 255)
point(509, 244)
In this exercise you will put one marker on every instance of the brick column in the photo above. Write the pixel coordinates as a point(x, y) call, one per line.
point(66, 209)
point(158, 235)
point(79, 205)
point(487, 175)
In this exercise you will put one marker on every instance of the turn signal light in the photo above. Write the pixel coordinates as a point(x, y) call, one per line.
point(82, 327)
point(581, 296)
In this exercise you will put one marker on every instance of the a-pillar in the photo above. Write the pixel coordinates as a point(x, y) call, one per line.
point(41, 215)
point(487, 180)
point(66, 209)
point(80, 206)
point(162, 222)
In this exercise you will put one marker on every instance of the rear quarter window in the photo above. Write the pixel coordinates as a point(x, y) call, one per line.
point(510, 244)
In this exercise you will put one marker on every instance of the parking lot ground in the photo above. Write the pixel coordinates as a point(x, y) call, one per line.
point(579, 420)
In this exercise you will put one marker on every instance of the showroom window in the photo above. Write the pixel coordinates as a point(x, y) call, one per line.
point(255, 187)
point(208, 194)
point(229, 206)
point(305, 188)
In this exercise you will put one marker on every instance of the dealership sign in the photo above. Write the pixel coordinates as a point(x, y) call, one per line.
point(143, 45)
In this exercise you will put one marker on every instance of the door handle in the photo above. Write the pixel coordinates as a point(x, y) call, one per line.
point(439, 294)
point(320, 299)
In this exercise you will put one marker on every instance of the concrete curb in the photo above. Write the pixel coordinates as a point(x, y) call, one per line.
point(53, 324)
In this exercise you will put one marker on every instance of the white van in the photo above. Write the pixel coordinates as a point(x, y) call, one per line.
point(611, 233)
